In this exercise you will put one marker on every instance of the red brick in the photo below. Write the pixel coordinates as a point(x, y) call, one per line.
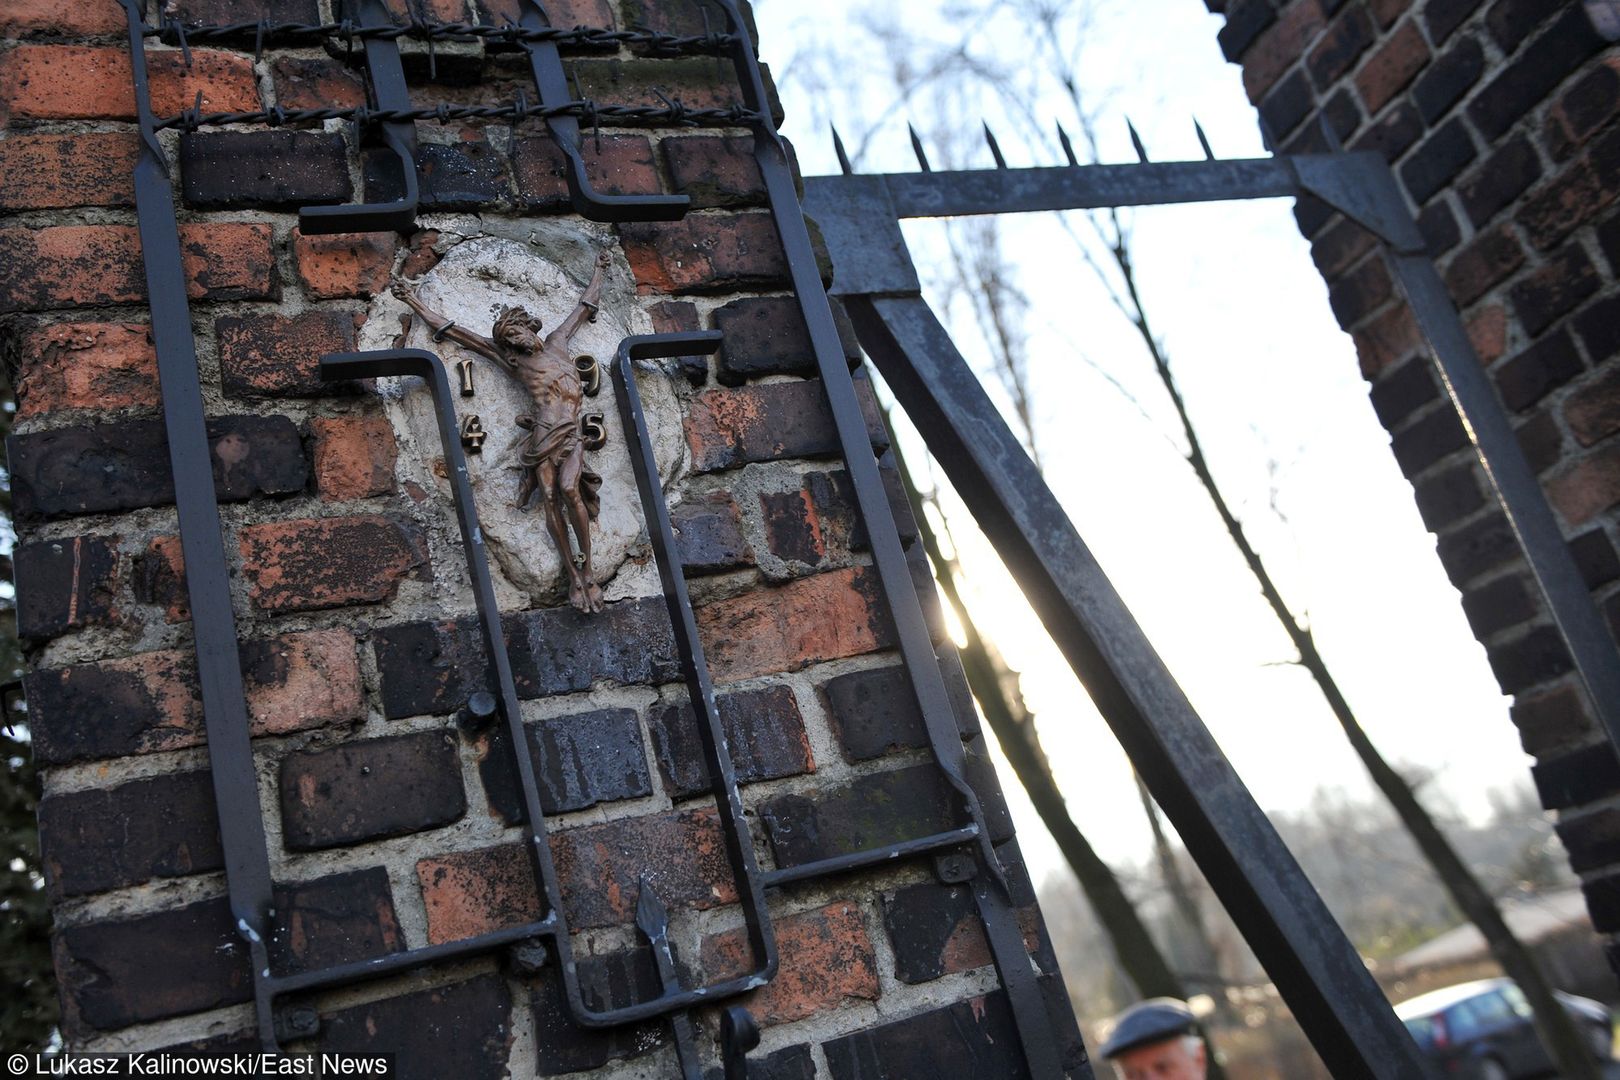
point(1593, 411)
point(614, 164)
point(1567, 202)
point(49, 172)
point(705, 253)
point(767, 421)
point(1487, 331)
point(826, 960)
point(316, 84)
point(149, 703)
point(1280, 46)
point(1387, 11)
point(421, 258)
point(1585, 107)
point(1489, 258)
point(807, 621)
point(1586, 488)
point(1402, 55)
point(274, 355)
point(599, 868)
point(433, 10)
point(344, 265)
point(1386, 339)
point(75, 82)
point(88, 265)
point(354, 456)
point(714, 170)
point(315, 563)
point(20, 17)
point(102, 366)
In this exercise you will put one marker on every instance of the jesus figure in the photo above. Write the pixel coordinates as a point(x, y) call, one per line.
point(553, 452)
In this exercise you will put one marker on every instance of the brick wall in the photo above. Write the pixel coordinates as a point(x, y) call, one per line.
point(389, 826)
point(1498, 117)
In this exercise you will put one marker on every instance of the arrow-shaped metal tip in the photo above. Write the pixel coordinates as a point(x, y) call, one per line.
point(652, 918)
point(995, 148)
point(1068, 147)
point(1203, 140)
point(838, 148)
point(1136, 141)
point(917, 148)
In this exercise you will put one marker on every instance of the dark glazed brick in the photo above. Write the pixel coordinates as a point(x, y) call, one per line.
point(316, 83)
point(1245, 19)
point(267, 169)
point(614, 165)
point(370, 790)
point(183, 960)
point(279, 355)
point(1489, 258)
point(870, 812)
point(1598, 327)
point(1477, 547)
point(124, 466)
point(1403, 391)
point(1551, 722)
point(1439, 226)
point(579, 760)
point(433, 667)
point(1512, 21)
point(1339, 46)
point(1541, 441)
point(611, 981)
point(819, 522)
point(1502, 178)
point(1445, 496)
point(934, 929)
point(1592, 840)
point(466, 176)
point(1603, 902)
point(1434, 164)
point(1444, 16)
point(764, 734)
point(1608, 235)
point(1497, 605)
point(705, 253)
point(1399, 128)
point(1360, 292)
point(1527, 81)
point(789, 1063)
point(230, 11)
point(1594, 411)
point(1555, 288)
point(715, 170)
point(1544, 366)
point(708, 534)
point(107, 838)
point(463, 1030)
point(1581, 776)
point(333, 920)
point(65, 584)
point(1448, 79)
point(1537, 657)
point(970, 1040)
point(1289, 102)
point(874, 713)
point(1429, 439)
point(1595, 557)
point(766, 335)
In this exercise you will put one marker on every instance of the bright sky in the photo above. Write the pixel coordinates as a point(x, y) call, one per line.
point(1268, 378)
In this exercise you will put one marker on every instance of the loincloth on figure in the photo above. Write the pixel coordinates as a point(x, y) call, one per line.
point(555, 443)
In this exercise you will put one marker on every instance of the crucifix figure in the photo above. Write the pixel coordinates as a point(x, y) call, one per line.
point(553, 454)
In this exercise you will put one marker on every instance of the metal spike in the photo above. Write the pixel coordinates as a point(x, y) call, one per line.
point(652, 917)
point(995, 148)
point(917, 148)
point(1068, 147)
point(1136, 141)
point(1203, 140)
point(843, 156)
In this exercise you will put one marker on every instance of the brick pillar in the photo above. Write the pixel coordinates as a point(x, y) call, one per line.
point(1498, 119)
point(389, 827)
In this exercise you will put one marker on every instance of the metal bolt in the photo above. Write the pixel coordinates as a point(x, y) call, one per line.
point(955, 868)
point(479, 712)
point(528, 957)
point(294, 1022)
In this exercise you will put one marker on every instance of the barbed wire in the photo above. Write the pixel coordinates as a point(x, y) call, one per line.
point(670, 113)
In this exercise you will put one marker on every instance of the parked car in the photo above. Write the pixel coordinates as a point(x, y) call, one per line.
point(1482, 1030)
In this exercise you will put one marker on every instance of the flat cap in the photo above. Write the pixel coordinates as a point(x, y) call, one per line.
point(1148, 1022)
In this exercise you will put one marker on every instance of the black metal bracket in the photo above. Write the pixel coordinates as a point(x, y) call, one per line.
point(389, 92)
point(552, 83)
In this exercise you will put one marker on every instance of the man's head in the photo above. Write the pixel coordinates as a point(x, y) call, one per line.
point(1156, 1040)
point(515, 328)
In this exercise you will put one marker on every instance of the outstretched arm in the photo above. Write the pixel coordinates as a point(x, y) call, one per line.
point(587, 307)
point(447, 328)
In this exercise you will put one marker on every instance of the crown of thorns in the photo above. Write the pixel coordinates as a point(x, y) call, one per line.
point(514, 316)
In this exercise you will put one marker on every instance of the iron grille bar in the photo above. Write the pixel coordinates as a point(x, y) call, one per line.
point(872, 856)
point(1281, 916)
point(394, 963)
point(177, 32)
